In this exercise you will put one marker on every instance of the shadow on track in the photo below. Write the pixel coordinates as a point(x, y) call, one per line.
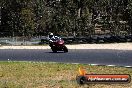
point(55, 52)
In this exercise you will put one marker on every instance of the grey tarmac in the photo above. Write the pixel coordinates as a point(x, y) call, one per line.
point(85, 56)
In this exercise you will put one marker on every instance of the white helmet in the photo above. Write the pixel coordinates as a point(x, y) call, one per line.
point(51, 34)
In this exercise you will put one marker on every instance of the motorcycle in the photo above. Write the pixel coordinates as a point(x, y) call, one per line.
point(58, 45)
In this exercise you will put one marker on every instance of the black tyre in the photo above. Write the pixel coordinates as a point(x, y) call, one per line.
point(65, 49)
point(81, 80)
point(54, 49)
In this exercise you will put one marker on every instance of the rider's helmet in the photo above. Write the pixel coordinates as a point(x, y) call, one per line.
point(51, 35)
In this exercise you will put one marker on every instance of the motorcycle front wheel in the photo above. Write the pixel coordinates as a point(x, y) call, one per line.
point(65, 49)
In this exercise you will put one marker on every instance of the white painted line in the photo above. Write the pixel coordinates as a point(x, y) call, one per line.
point(94, 64)
point(128, 66)
point(111, 65)
point(75, 63)
point(67, 63)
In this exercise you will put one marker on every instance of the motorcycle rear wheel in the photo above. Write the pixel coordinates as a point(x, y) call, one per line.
point(54, 49)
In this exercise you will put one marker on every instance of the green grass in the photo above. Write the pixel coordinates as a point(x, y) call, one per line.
point(53, 75)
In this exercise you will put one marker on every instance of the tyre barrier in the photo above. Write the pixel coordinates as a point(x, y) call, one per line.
point(91, 40)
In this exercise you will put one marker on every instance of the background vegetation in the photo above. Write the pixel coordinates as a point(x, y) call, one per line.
point(65, 17)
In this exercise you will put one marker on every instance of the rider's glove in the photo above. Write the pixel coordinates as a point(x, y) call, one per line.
point(50, 40)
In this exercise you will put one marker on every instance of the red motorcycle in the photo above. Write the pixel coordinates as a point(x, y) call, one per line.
point(58, 45)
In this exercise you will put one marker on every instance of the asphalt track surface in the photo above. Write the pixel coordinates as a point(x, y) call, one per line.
point(85, 56)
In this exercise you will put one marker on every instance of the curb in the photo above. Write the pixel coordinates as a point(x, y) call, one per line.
point(114, 46)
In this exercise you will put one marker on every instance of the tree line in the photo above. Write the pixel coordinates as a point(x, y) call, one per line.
point(65, 17)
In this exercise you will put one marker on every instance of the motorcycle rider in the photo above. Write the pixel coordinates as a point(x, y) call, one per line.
point(52, 38)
